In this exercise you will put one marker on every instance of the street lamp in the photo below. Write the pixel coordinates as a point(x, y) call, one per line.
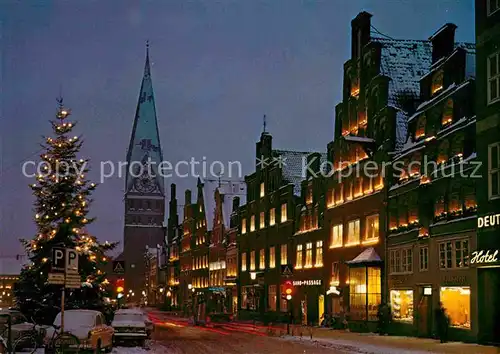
point(161, 290)
point(190, 286)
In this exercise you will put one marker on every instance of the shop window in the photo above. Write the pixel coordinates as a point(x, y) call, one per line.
point(309, 253)
point(272, 297)
point(494, 171)
point(456, 301)
point(284, 255)
point(252, 223)
point(372, 228)
point(272, 217)
point(454, 254)
point(283, 213)
point(335, 274)
point(353, 233)
point(494, 74)
point(420, 131)
point(298, 263)
point(365, 292)
point(402, 305)
point(262, 220)
point(437, 81)
point(423, 259)
point(252, 260)
point(244, 297)
point(262, 190)
point(337, 233)
point(319, 254)
point(272, 257)
point(447, 117)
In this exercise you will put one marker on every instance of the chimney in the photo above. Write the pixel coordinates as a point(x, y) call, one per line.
point(187, 197)
point(313, 163)
point(172, 191)
point(263, 148)
point(443, 41)
point(236, 203)
point(360, 33)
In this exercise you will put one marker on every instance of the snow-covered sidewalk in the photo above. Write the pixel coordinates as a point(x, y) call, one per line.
point(370, 343)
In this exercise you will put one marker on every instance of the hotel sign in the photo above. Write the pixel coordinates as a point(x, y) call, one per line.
point(488, 221)
point(484, 257)
point(306, 282)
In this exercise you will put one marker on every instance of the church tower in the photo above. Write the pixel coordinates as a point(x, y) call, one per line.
point(144, 189)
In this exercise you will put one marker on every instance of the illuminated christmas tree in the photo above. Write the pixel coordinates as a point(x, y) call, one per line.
point(62, 203)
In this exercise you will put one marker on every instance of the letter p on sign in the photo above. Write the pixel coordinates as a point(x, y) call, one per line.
point(71, 261)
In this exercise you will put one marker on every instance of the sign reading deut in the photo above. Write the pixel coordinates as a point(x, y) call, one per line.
point(488, 221)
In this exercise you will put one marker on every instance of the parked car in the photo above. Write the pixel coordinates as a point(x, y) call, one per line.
point(20, 326)
point(131, 325)
point(88, 326)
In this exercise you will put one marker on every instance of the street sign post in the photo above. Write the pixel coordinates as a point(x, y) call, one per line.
point(56, 278)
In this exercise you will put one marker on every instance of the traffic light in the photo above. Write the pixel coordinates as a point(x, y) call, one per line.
point(288, 290)
point(120, 286)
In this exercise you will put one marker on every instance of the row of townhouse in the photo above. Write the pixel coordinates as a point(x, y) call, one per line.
point(391, 213)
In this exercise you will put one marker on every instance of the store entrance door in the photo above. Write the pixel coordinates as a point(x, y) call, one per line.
point(489, 305)
point(425, 316)
point(321, 308)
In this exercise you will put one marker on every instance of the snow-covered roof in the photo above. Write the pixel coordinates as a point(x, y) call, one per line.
point(441, 29)
point(10, 266)
point(367, 256)
point(294, 167)
point(404, 62)
point(401, 128)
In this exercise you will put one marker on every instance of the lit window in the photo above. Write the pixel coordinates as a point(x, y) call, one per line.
point(372, 228)
point(243, 226)
point(337, 233)
point(437, 81)
point(365, 283)
point(298, 264)
point(272, 297)
point(454, 254)
point(447, 112)
point(262, 220)
point(494, 170)
point(402, 305)
point(421, 122)
point(353, 233)
point(335, 273)
point(283, 213)
point(309, 255)
point(272, 216)
point(262, 259)
point(262, 190)
point(284, 255)
point(252, 260)
point(252, 223)
point(424, 259)
point(272, 257)
point(309, 197)
point(492, 6)
point(456, 301)
point(319, 254)
point(494, 78)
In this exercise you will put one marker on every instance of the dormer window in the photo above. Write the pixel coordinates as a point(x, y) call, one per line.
point(437, 81)
point(420, 130)
point(447, 112)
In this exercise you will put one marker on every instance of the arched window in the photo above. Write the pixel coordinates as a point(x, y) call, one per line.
point(447, 117)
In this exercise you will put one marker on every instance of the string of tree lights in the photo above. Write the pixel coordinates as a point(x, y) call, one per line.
point(62, 200)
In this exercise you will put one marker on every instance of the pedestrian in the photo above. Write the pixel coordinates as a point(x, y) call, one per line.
point(442, 323)
point(384, 318)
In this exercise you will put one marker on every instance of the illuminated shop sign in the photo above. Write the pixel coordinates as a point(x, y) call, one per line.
point(488, 256)
point(488, 221)
point(306, 282)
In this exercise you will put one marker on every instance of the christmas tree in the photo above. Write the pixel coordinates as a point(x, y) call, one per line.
point(62, 203)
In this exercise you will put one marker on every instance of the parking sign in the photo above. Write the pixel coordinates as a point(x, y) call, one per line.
point(71, 261)
point(58, 259)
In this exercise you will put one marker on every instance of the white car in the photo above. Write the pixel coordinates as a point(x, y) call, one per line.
point(88, 326)
point(131, 325)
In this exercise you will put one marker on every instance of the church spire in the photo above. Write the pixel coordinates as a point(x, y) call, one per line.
point(145, 140)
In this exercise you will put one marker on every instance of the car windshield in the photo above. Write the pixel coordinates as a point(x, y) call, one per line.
point(75, 319)
point(132, 317)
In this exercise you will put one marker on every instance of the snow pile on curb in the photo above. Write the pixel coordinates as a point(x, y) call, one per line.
point(353, 347)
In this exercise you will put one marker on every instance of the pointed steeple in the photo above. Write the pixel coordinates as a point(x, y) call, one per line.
point(145, 140)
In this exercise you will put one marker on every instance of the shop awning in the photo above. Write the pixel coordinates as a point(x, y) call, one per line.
point(367, 256)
